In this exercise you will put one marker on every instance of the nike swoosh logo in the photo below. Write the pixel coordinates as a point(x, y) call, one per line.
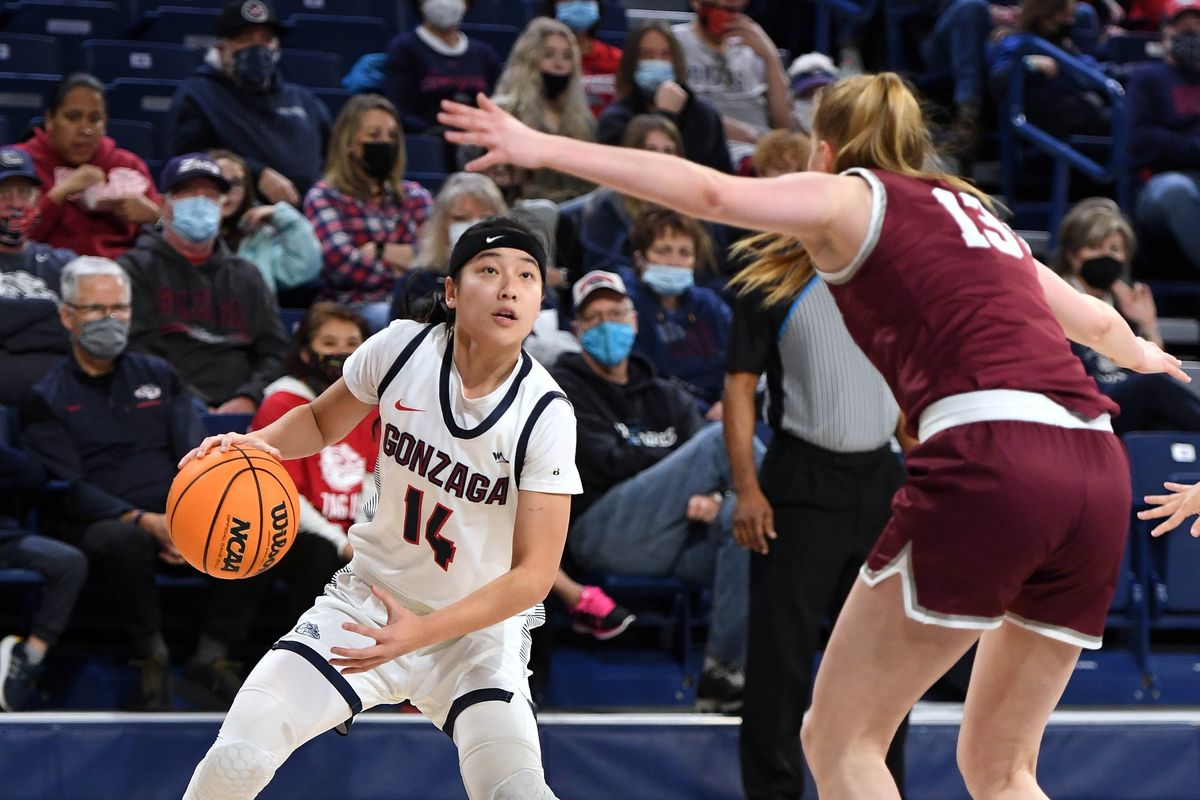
point(401, 407)
point(491, 239)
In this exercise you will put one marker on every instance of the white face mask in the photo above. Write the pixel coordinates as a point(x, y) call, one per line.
point(444, 14)
point(457, 229)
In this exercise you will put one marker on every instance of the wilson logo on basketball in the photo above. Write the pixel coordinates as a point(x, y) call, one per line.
point(279, 536)
point(235, 546)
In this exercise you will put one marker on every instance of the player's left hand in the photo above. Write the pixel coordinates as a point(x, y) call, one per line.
point(1183, 502)
point(224, 441)
point(401, 634)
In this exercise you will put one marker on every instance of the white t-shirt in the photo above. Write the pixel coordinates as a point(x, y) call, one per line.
point(449, 468)
point(734, 78)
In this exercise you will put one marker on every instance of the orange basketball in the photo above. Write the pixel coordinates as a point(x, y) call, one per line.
point(233, 514)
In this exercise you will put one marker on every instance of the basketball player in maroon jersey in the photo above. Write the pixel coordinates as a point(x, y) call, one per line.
point(998, 535)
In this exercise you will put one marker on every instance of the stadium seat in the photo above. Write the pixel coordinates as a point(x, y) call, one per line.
point(28, 52)
point(70, 22)
point(25, 96)
point(353, 8)
point(195, 28)
point(136, 136)
point(290, 317)
point(500, 12)
point(500, 37)
point(334, 99)
point(424, 153)
point(311, 68)
point(613, 18)
point(349, 37)
point(118, 59)
point(216, 424)
point(5, 130)
point(141, 99)
point(432, 181)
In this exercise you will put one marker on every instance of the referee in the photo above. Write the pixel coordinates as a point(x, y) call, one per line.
point(821, 499)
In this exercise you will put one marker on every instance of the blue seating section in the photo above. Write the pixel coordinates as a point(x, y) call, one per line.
point(28, 52)
point(123, 59)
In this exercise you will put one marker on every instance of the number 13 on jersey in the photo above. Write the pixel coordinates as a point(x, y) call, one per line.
point(995, 234)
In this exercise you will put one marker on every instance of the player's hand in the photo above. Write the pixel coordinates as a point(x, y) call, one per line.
point(505, 138)
point(1183, 502)
point(1153, 359)
point(753, 521)
point(401, 634)
point(227, 440)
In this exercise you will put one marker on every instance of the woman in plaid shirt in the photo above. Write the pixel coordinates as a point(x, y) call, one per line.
point(364, 214)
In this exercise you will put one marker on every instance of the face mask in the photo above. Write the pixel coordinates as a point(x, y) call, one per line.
point(715, 20)
point(255, 66)
point(104, 338)
point(554, 85)
point(652, 73)
point(1101, 272)
point(195, 219)
point(379, 158)
point(457, 229)
point(609, 342)
point(1185, 50)
point(578, 15)
point(15, 226)
point(668, 281)
point(444, 14)
point(329, 365)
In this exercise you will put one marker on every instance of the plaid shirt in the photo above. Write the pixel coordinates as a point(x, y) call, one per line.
point(343, 224)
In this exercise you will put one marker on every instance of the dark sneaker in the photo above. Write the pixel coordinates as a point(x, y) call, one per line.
point(153, 693)
point(211, 686)
point(599, 615)
point(720, 689)
point(17, 675)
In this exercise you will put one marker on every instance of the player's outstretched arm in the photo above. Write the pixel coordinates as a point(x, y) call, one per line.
point(801, 204)
point(300, 432)
point(1182, 502)
point(538, 538)
point(1094, 323)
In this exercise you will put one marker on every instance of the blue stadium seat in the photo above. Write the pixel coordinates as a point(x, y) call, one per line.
point(349, 37)
point(613, 18)
point(136, 136)
point(110, 60)
point(28, 52)
point(334, 99)
point(432, 181)
point(195, 28)
point(70, 22)
point(140, 99)
point(25, 96)
point(424, 153)
point(500, 37)
point(1133, 47)
point(499, 12)
point(352, 8)
point(5, 130)
point(216, 424)
point(310, 68)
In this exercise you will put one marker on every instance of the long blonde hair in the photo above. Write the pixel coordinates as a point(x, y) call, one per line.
point(872, 121)
point(341, 169)
point(519, 90)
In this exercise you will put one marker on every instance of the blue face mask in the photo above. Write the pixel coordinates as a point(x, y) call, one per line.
point(195, 219)
point(609, 342)
point(668, 281)
point(652, 73)
point(255, 66)
point(578, 15)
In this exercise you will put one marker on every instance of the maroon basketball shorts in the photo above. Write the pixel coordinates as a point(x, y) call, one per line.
point(1005, 520)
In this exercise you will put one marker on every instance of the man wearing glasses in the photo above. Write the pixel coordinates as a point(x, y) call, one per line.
point(654, 479)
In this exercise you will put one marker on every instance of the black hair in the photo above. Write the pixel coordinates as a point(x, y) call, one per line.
point(73, 81)
point(547, 9)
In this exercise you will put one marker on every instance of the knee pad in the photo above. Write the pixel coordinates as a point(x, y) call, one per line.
point(232, 770)
point(524, 784)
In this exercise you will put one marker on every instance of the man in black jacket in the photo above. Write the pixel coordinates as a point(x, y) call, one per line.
point(195, 303)
point(654, 478)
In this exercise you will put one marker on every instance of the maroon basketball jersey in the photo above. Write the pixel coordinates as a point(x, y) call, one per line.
point(944, 299)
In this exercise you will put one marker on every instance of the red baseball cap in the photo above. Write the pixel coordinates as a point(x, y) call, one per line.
point(1174, 8)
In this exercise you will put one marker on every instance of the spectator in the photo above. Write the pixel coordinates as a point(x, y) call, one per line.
point(598, 59)
point(810, 73)
point(114, 424)
point(650, 80)
point(364, 214)
point(31, 338)
point(237, 100)
point(63, 569)
point(436, 61)
point(198, 305)
point(1164, 132)
point(955, 65)
point(732, 63)
point(96, 196)
point(682, 328)
point(1095, 246)
point(542, 87)
point(464, 199)
point(275, 238)
point(654, 480)
point(781, 152)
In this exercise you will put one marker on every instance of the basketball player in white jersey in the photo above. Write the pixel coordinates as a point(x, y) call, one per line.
point(476, 469)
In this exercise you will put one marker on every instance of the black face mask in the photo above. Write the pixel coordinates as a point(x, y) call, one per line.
point(379, 158)
point(1101, 272)
point(329, 366)
point(554, 85)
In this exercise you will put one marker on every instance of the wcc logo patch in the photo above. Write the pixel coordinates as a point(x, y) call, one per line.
point(308, 629)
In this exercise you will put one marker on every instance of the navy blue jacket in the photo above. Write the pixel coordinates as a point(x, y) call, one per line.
point(116, 438)
point(1164, 118)
point(31, 337)
point(285, 128)
point(19, 474)
point(418, 78)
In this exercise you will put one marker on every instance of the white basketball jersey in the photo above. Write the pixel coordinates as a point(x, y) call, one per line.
point(450, 468)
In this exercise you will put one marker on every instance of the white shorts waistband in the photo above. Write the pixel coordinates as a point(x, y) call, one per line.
point(1001, 404)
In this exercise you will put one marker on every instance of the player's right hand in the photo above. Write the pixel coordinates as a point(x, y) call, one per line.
point(1153, 359)
point(505, 138)
point(1183, 502)
point(227, 440)
point(753, 521)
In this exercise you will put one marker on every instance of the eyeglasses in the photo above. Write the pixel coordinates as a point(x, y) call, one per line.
point(99, 311)
point(596, 317)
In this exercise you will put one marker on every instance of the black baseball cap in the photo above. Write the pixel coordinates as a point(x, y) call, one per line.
point(188, 166)
point(241, 14)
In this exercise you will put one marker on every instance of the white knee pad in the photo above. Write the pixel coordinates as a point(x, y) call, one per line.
point(525, 784)
point(232, 770)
